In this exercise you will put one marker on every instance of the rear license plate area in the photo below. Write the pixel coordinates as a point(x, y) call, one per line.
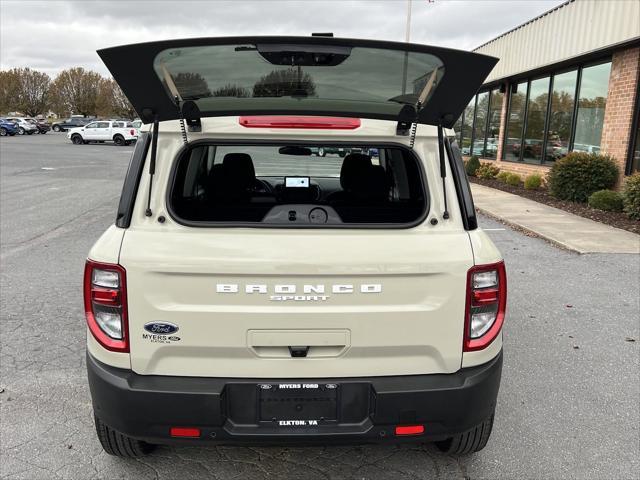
point(304, 404)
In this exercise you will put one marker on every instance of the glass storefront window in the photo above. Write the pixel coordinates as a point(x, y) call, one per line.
point(515, 122)
point(480, 124)
point(536, 115)
point(457, 127)
point(467, 125)
point(493, 130)
point(562, 102)
point(635, 159)
point(592, 101)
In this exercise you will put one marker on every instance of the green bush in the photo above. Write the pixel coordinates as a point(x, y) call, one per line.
point(631, 196)
point(533, 181)
point(502, 177)
point(580, 174)
point(514, 179)
point(487, 171)
point(606, 200)
point(472, 166)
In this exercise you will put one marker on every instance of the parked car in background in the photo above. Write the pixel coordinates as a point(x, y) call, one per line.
point(103, 131)
point(24, 125)
point(7, 128)
point(72, 122)
point(42, 125)
point(136, 124)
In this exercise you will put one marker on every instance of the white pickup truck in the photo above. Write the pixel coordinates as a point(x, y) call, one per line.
point(103, 131)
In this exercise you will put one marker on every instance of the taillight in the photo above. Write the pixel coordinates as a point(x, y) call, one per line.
point(132, 132)
point(486, 302)
point(306, 122)
point(105, 304)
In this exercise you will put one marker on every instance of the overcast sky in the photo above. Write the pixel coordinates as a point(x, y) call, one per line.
point(53, 35)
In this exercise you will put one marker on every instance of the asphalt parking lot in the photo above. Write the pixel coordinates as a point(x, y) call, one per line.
point(568, 405)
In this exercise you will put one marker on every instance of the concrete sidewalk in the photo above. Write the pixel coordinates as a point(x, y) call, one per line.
point(562, 228)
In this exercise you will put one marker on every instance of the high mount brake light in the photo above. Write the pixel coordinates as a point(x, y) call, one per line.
point(305, 122)
point(105, 304)
point(486, 303)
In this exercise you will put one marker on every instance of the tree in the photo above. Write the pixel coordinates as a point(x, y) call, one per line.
point(9, 91)
point(284, 83)
point(230, 90)
point(112, 101)
point(24, 90)
point(76, 90)
point(191, 86)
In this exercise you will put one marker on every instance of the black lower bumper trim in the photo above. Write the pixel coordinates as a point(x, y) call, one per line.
point(226, 410)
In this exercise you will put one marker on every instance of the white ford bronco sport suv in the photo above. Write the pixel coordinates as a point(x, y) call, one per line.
point(250, 291)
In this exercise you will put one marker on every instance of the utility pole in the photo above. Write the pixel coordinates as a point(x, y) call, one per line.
point(407, 36)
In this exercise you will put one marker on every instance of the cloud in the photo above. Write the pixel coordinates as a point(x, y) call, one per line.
point(55, 34)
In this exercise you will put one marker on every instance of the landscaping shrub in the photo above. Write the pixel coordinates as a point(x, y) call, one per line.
point(487, 171)
point(533, 181)
point(514, 179)
point(502, 177)
point(580, 174)
point(631, 196)
point(606, 200)
point(472, 166)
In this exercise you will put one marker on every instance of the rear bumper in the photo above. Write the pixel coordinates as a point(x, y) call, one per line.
point(225, 409)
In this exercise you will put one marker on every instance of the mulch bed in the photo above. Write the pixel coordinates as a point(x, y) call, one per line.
point(615, 219)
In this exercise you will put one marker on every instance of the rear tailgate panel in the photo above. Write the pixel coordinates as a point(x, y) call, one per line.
point(413, 325)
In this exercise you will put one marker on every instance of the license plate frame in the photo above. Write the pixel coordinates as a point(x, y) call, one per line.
point(298, 404)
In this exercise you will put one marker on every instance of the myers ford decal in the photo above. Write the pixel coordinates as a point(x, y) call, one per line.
point(161, 332)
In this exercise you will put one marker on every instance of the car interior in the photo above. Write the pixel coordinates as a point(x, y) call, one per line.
point(289, 186)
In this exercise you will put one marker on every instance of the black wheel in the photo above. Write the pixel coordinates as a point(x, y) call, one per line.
point(56, 128)
point(76, 139)
point(321, 152)
point(3, 132)
point(120, 445)
point(470, 441)
point(118, 140)
point(20, 131)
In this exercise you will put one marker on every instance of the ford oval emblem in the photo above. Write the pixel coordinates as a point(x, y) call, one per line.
point(161, 328)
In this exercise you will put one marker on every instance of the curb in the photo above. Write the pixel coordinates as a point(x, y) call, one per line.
point(533, 233)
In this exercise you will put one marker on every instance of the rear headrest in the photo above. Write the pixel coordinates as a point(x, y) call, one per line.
point(353, 167)
point(239, 170)
point(373, 185)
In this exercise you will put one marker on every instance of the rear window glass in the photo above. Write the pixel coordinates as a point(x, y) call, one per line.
point(297, 186)
point(291, 77)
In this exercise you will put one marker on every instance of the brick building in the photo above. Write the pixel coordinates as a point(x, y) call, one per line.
point(566, 80)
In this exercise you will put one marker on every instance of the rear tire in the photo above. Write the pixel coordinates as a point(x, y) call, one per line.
point(76, 139)
point(120, 445)
point(56, 128)
point(3, 132)
point(321, 152)
point(20, 131)
point(118, 140)
point(471, 441)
